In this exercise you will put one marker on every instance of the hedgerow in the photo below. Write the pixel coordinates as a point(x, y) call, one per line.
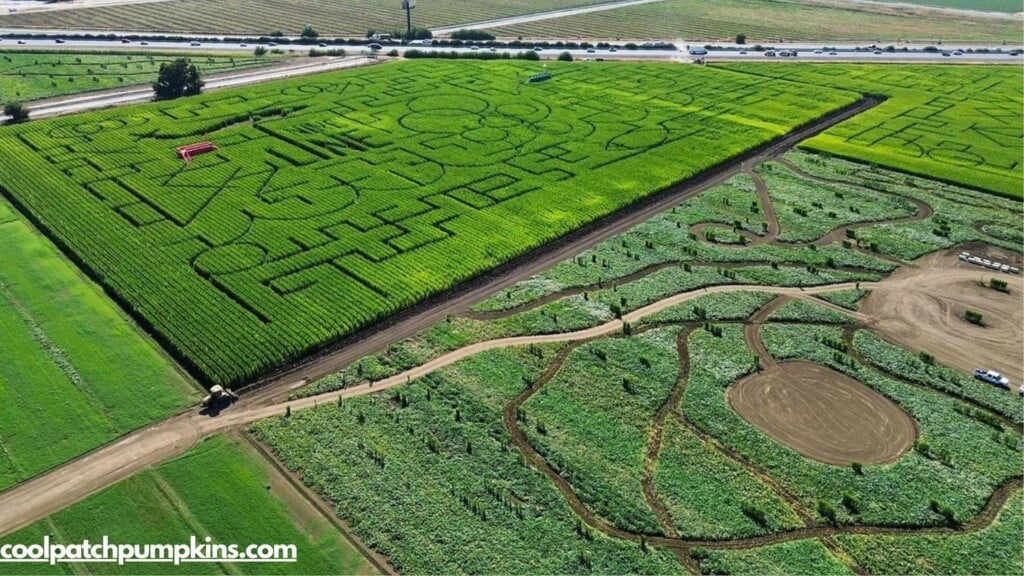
point(808, 312)
point(331, 203)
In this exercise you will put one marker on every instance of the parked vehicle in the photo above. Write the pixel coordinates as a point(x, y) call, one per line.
point(993, 378)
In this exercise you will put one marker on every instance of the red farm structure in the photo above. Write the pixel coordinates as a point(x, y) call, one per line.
point(187, 152)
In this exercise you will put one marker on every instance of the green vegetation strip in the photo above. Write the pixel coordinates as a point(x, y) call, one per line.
point(219, 489)
point(76, 373)
point(263, 17)
point(28, 76)
point(330, 204)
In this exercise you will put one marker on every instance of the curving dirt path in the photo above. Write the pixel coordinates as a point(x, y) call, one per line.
point(654, 442)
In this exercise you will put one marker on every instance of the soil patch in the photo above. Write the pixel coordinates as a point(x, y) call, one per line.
point(824, 415)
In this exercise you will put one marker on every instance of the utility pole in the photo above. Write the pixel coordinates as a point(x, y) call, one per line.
point(408, 5)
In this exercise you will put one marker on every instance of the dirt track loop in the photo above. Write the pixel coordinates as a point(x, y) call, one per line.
point(824, 415)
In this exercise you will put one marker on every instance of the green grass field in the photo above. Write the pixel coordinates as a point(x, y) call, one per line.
point(960, 124)
point(698, 20)
point(257, 17)
point(73, 368)
point(331, 204)
point(222, 489)
point(28, 76)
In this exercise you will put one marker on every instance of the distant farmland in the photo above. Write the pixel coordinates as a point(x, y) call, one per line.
point(768, 22)
point(334, 201)
point(348, 18)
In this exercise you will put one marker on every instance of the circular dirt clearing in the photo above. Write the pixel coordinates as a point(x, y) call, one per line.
point(823, 414)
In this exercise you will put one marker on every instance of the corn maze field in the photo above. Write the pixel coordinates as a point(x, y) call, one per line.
point(962, 125)
point(334, 201)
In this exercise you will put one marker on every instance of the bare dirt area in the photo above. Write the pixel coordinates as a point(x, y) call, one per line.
point(823, 414)
point(922, 308)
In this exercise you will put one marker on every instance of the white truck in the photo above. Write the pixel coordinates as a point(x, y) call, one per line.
point(992, 377)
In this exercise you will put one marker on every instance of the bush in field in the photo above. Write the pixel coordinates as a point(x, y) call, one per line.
point(565, 57)
point(309, 32)
point(974, 317)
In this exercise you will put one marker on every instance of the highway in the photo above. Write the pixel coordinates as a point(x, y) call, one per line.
point(718, 53)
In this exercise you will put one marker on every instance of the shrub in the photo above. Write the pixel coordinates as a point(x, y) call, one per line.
point(479, 35)
point(17, 111)
point(974, 317)
point(565, 57)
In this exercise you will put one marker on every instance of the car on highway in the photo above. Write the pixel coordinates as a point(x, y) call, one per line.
point(538, 49)
point(474, 47)
point(698, 52)
point(958, 53)
point(770, 53)
point(833, 53)
point(59, 40)
point(194, 43)
point(144, 43)
point(493, 49)
point(591, 50)
point(994, 378)
point(125, 41)
point(877, 52)
point(817, 51)
point(374, 46)
point(21, 41)
point(322, 45)
point(613, 49)
point(272, 44)
point(743, 52)
point(945, 54)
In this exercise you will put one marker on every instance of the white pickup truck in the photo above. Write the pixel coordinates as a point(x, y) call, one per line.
point(993, 378)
